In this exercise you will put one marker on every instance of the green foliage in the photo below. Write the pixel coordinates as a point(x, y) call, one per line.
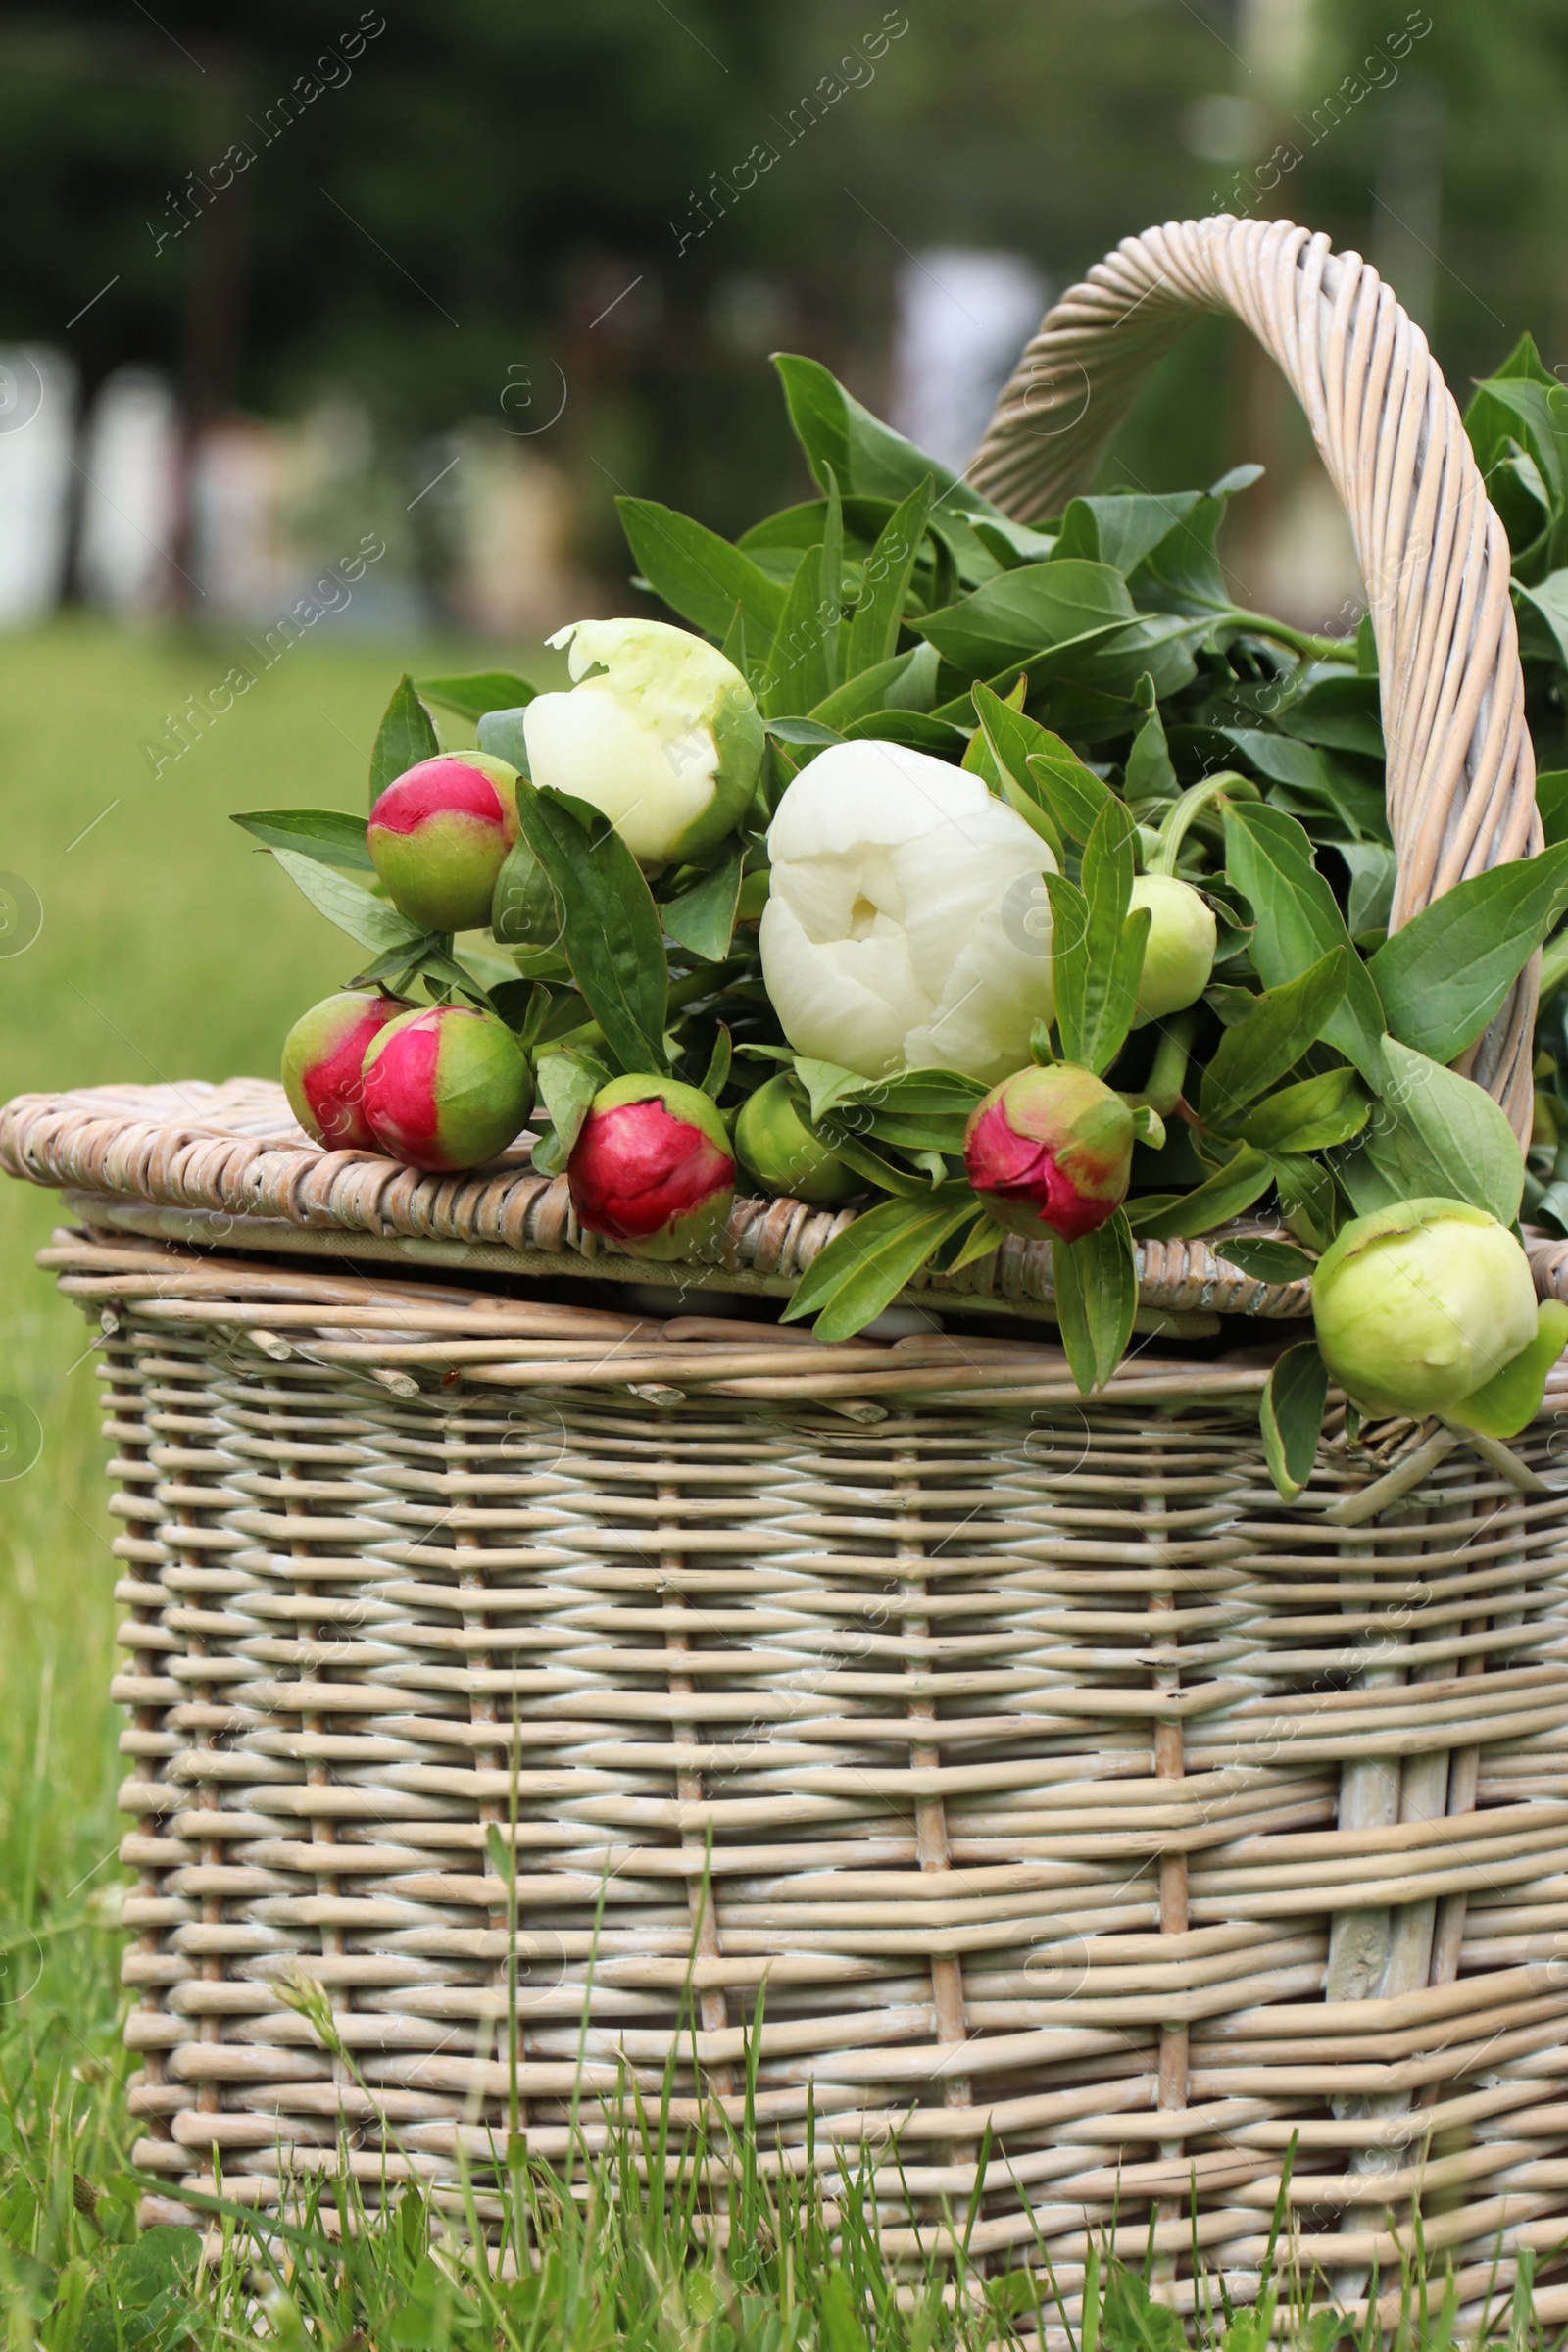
point(1291, 1417)
point(1096, 948)
point(1095, 1282)
point(609, 925)
point(476, 693)
point(328, 835)
point(406, 736)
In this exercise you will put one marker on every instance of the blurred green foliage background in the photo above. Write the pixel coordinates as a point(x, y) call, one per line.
point(473, 182)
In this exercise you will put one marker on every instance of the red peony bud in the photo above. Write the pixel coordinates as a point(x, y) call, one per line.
point(1050, 1152)
point(324, 1054)
point(439, 835)
point(447, 1088)
point(652, 1167)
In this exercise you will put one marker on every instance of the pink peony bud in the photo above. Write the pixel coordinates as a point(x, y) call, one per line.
point(439, 836)
point(1050, 1152)
point(652, 1167)
point(447, 1088)
point(324, 1054)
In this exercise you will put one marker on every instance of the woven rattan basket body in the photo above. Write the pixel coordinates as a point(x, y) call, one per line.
point(1017, 1774)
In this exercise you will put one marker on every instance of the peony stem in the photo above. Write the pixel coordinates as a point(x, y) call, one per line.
point(1168, 1071)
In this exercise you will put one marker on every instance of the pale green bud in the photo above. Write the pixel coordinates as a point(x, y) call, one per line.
point(1178, 955)
point(1419, 1304)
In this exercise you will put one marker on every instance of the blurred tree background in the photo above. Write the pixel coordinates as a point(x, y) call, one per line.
point(481, 208)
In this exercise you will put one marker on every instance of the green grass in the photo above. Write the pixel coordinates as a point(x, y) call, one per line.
point(170, 948)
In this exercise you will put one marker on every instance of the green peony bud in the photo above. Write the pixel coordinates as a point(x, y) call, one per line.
point(1178, 955)
point(773, 1143)
point(1420, 1305)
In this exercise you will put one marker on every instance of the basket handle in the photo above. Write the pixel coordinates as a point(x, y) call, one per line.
point(1432, 552)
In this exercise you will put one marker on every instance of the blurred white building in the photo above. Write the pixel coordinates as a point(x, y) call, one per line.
point(962, 321)
point(509, 514)
point(37, 434)
point(130, 512)
point(236, 497)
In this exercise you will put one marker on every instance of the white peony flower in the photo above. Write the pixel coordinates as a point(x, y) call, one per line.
point(660, 732)
point(908, 924)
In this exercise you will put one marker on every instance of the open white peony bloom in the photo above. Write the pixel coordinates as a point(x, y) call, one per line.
point(908, 924)
point(660, 732)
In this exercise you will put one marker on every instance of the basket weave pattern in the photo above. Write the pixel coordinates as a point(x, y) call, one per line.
point(1003, 1739)
point(233, 1157)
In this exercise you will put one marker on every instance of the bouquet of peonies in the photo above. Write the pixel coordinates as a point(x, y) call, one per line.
point(986, 878)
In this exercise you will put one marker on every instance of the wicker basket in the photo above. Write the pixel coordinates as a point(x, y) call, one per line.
point(1082, 1809)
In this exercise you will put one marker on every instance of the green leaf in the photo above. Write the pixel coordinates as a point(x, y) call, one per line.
point(698, 574)
point(1265, 1261)
point(1312, 1115)
point(568, 1083)
point(1441, 1136)
point(1268, 858)
point(914, 727)
point(1373, 870)
point(827, 1083)
point(1344, 715)
point(717, 1075)
point(1505, 1404)
point(1095, 1282)
point(733, 648)
point(919, 1111)
point(815, 733)
point(983, 1239)
point(831, 572)
point(885, 583)
point(1243, 1179)
point(847, 1141)
point(370, 921)
point(1325, 783)
point(435, 964)
point(1184, 573)
point(524, 913)
point(505, 734)
point(865, 691)
point(1520, 408)
point(404, 737)
point(1122, 530)
point(327, 834)
point(1284, 1021)
point(1072, 792)
point(481, 691)
point(1012, 738)
point(1097, 949)
point(867, 455)
point(1447, 973)
point(703, 918)
point(871, 1261)
point(798, 675)
point(1308, 1200)
point(611, 928)
point(1292, 1416)
point(1150, 775)
point(1551, 799)
point(1019, 612)
point(502, 1859)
